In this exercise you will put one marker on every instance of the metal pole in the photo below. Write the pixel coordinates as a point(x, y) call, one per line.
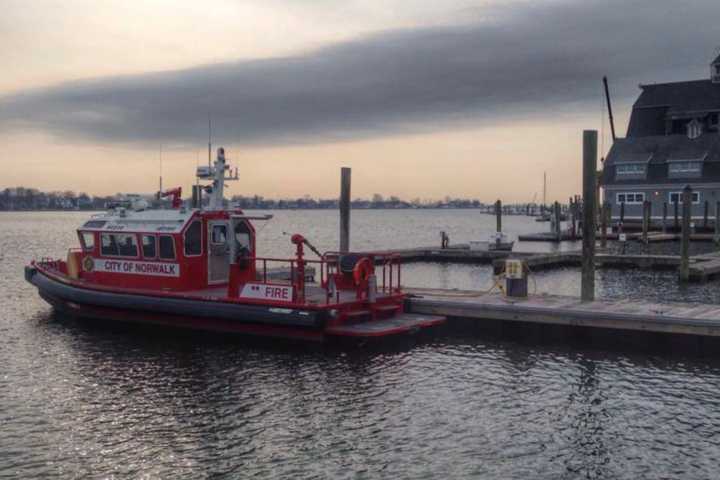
point(609, 107)
point(587, 287)
point(345, 177)
point(685, 240)
point(498, 216)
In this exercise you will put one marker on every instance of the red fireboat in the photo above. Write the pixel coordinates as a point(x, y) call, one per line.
point(197, 268)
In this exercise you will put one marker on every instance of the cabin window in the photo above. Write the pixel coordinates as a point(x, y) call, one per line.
point(193, 239)
point(219, 234)
point(167, 247)
point(118, 245)
point(87, 239)
point(127, 245)
point(108, 245)
point(242, 235)
point(149, 247)
point(630, 198)
point(676, 197)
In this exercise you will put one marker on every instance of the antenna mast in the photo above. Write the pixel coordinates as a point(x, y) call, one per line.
point(160, 190)
point(209, 141)
point(609, 107)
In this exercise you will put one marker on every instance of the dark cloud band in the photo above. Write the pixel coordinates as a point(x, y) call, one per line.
point(515, 60)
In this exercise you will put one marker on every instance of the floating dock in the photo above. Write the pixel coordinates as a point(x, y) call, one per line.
point(476, 308)
point(702, 267)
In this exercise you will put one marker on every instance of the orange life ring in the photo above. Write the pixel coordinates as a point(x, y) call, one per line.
point(362, 271)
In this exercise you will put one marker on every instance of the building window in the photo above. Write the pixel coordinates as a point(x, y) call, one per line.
point(167, 247)
point(193, 239)
point(685, 167)
point(630, 198)
point(676, 197)
point(694, 129)
point(630, 169)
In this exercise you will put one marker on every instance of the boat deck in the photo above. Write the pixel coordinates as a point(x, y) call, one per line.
point(314, 294)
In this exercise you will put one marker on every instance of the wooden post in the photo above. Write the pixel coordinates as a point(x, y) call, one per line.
point(587, 286)
point(603, 224)
point(677, 208)
point(345, 177)
point(717, 223)
point(557, 221)
point(498, 216)
point(646, 221)
point(685, 240)
point(664, 220)
point(622, 213)
point(705, 215)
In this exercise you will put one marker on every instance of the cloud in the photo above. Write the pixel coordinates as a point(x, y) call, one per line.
point(522, 59)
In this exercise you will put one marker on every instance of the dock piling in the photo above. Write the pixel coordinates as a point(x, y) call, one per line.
point(603, 224)
point(716, 237)
point(558, 218)
point(676, 205)
point(664, 218)
point(587, 287)
point(498, 216)
point(646, 221)
point(705, 215)
point(345, 181)
point(685, 240)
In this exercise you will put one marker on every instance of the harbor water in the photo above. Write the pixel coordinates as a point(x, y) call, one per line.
point(81, 401)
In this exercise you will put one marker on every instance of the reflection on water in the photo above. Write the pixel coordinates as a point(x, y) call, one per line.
point(78, 400)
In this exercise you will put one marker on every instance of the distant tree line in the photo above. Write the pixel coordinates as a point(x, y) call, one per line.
point(377, 201)
point(22, 198)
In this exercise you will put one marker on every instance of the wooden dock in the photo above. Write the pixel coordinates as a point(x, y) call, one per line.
point(610, 315)
point(536, 261)
point(703, 267)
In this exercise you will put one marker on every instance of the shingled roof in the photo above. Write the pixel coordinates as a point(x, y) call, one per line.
point(659, 150)
point(679, 97)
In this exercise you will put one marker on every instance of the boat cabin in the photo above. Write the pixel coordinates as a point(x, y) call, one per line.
point(176, 249)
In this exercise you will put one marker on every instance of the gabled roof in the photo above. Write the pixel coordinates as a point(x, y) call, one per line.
point(681, 97)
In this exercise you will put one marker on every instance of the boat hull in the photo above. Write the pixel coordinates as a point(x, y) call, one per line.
point(181, 313)
point(215, 316)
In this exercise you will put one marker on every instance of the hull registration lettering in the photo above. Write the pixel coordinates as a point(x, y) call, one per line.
point(154, 269)
point(278, 293)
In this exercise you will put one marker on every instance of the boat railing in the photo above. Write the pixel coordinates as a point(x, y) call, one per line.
point(387, 273)
point(389, 266)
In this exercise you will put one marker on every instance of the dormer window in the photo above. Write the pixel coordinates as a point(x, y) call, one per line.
point(685, 168)
point(630, 170)
point(694, 129)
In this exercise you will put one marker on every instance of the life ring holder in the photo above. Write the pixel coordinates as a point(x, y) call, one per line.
point(362, 271)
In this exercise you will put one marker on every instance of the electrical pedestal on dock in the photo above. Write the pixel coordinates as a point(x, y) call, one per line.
point(516, 278)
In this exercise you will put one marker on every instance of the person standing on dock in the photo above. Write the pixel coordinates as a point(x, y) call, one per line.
point(444, 240)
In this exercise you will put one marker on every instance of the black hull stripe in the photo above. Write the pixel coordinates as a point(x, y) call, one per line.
point(175, 306)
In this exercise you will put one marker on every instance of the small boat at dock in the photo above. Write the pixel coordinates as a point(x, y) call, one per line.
point(197, 268)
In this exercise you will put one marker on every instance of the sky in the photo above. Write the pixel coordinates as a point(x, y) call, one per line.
point(471, 99)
